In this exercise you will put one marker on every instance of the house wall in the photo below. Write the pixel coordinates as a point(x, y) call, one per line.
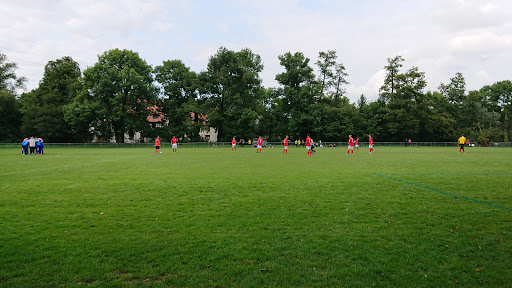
point(210, 134)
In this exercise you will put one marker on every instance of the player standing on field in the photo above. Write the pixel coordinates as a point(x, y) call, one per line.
point(32, 145)
point(370, 143)
point(285, 142)
point(308, 145)
point(174, 142)
point(357, 143)
point(233, 144)
point(260, 144)
point(24, 146)
point(41, 146)
point(350, 144)
point(462, 140)
point(157, 145)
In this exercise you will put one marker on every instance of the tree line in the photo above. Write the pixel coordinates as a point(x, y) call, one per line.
point(111, 99)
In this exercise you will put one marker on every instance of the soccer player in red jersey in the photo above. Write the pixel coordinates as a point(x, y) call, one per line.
point(260, 145)
point(350, 144)
point(357, 143)
point(285, 142)
point(308, 145)
point(157, 144)
point(174, 142)
point(233, 144)
point(370, 144)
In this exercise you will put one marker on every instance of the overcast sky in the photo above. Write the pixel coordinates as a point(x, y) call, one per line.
point(440, 37)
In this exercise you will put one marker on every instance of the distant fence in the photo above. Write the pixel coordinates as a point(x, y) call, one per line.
point(228, 144)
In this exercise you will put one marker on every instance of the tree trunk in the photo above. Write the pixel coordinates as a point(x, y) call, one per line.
point(119, 137)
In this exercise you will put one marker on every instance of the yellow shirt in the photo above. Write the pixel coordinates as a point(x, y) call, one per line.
point(462, 140)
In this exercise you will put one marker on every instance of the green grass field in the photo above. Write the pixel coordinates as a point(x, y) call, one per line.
point(209, 217)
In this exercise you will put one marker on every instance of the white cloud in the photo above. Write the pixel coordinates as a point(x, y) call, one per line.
point(440, 37)
point(481, 42)
point(370, 88)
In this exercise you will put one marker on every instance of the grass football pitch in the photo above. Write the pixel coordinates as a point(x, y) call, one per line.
point(210, 217)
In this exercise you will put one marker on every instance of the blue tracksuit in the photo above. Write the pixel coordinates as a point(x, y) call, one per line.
point(24, 147)
point(38, 146)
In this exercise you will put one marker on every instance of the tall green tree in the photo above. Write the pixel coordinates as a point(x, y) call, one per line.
point(339, 79)
point(402, 92)
point(498, 98)
point(332, 75)
point(436, 121)
point(232, 85)
point(368, 119)
point(8, 79)
point(300, 94)
point(326, 63)
point(116, 94)
point(454, 91)
point(10, 116)
point(391, 81)
point(338, 120)
point(179, 88)
point(271, 122)
point(43, 107)
point(480, 122)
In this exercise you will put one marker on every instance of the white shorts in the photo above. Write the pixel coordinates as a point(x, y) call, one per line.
point(308, 147)
point(259, 146)
point(370, 146)
point(233, 145)
point(350, 147)
point(357, 146)
point(285, 147)
point(175, 145)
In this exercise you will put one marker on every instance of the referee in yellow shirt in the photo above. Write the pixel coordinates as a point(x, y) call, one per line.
point(462, 140)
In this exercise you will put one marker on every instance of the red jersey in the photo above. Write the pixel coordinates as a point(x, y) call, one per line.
point(260, 142)
point(285, 141)
point(350, 141)
point(308, 141)
point(371, 141)
point(233, 141)
point(157, 142)
point(357, 141)
point(174, 140)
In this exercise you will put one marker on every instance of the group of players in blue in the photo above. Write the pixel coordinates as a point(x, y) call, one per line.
point(36, 146)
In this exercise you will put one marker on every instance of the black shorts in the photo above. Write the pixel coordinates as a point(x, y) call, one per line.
point(157, 147)
point(461, 146)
